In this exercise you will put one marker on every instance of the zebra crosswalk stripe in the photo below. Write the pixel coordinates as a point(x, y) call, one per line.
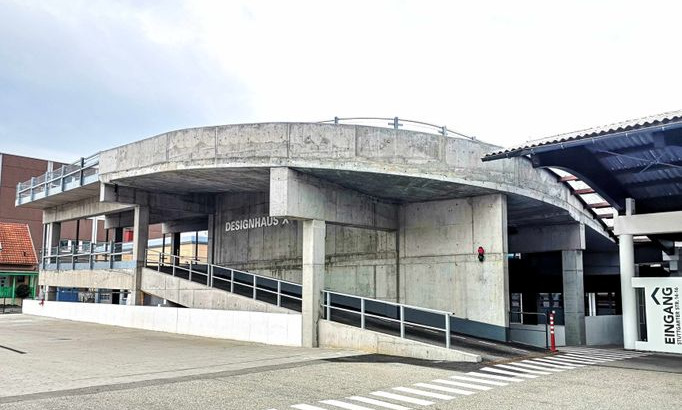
point(537, 367)
point(423, 393)
point(461, 384)
point(400, 397)
point(516, 368)
point(306, 407)
point(537, 362)
point(553, 361)
point(445, 389)
point(472, 379)
point(508, 373)
point(495, 377)
point(378, 403)
point(344, 405)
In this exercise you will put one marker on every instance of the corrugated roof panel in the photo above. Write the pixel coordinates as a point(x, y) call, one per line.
point(638, 123)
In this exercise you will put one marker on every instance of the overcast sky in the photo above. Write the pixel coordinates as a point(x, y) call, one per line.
point(77, 77)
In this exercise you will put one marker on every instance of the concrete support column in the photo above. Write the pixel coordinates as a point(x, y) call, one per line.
point(210, 232)
point(54, 235)
point(574, 296)
point(313, 279)
point(140, 238)
point(175, 243)
point(627, 292)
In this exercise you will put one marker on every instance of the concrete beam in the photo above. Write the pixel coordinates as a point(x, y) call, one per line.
point(299, 196)
point(82, 209)
point(199, 223)
point(188, 204)
point(548, 238)
point(119, 220)
point(648, 224)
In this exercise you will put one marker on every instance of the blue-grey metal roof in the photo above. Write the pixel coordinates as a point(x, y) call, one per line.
point(640, 159)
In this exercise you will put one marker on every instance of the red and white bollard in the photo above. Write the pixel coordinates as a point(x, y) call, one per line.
point(552, 341)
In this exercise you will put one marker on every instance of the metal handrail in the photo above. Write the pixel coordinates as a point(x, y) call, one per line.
point(73, 253)
point(396, 123)
point(80, 169)
point(210, 277)
point(446, 329)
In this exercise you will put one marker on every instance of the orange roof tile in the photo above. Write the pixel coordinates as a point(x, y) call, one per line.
point(17, 247)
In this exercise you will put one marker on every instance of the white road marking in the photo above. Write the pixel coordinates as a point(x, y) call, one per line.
point(491, 376)
point(400, 397)
point(460, 384)
point(423, 393)
point(445, 389)
point(516, 368)
point(536, 367)
point(379, 403)
point(507, 373)
point(571, 360)
point(472, 379)
point(306, 407)
point(344, 405)
point(552, 361)
point(536, 362)
point(581, 357)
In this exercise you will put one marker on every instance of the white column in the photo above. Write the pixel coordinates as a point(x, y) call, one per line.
point(627, 272)
point(313, 279)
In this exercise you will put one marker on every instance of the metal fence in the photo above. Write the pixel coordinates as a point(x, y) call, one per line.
point(66, 177)
point(100, 255)
point(397, 123)
point(262, 288)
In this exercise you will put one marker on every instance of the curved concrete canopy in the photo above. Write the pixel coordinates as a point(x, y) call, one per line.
point(394, 165)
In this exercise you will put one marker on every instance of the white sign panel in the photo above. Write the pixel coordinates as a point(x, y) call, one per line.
point(663, 314)
point(257, 222)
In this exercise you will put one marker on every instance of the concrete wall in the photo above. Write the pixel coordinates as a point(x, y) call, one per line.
point(197, 296)
point(339, 147)
point(269, 328)
point(103, 279)
point(439, 266)
point(358, 261)
point(337, 335)
point(604, 330)
point(535, 335)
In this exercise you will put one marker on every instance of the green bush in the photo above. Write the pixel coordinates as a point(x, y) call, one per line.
point(22, 291)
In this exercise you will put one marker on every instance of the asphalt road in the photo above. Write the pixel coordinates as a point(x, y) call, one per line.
point(56, 364)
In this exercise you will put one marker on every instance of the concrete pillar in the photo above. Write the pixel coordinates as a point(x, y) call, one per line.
point(574, 296)
point(140, 238)
point(627, 272)
point(210, 232)
point(487, 282)
point(175, 243)
point(313, 279)
point(54, 235)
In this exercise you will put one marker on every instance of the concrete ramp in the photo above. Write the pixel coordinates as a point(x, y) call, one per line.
point(338, 335)
point(195, 295)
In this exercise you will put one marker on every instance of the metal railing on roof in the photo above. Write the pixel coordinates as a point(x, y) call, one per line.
point(397, 123)
point(66, 177)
